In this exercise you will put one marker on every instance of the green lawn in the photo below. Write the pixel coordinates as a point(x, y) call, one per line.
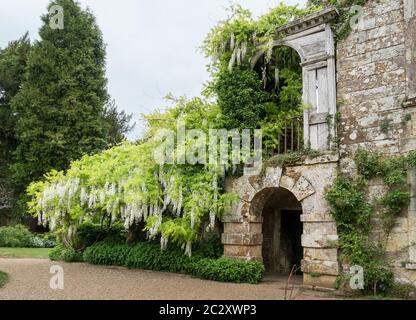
point(3, 278)
point(34, 253)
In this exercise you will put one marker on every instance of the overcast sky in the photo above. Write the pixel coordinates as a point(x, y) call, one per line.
point(152, 45)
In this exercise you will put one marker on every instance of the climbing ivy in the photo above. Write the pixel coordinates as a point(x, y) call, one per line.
point(348, 15)
point(393, 172)
point(352, 211)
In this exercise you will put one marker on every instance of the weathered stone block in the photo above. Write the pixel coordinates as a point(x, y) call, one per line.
point(272, 177)
point(320, 228)
point(326, 158)
point(242, 227)
point(242, 238)
point(287, 182)
point(327, 254)
point(243, 251)
point(316, 217)
point(320, 267)
point(302, 189)
point(319, 241)
point(324, 281)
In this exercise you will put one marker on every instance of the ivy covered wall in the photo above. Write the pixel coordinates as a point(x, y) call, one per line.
point(376, 116)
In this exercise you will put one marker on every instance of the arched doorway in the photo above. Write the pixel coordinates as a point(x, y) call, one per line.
point(282, 230)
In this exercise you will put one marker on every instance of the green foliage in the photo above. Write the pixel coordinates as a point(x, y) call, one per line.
point(352, 212)
point(17, 236)
point(241, 98)
point(61, 107)
point(88, 233)
point(19, 208)
point(357, 250)
point(20, 237)
point(4, 277)
point(257, 85)
point(62, 253)
point(402, 291)
point(53, 102)
point(209, 247)
point(393, 172)
point(227, 270)
point(149, 256)
point(117, 123)
point(108, 253)
point(127, 184)
point(62, 99)
point(291, 159)
point(348, 204)
point(13, 61)
point(395, 201)
point(347, 16)
point(43, 241)
point(368, 164)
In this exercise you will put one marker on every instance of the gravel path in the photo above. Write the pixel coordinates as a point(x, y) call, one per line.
point(29, 279)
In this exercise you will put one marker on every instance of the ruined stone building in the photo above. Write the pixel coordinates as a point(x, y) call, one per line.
point(282, 217)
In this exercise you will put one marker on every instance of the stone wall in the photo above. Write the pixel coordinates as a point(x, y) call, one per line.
point(371, 83)
point(376, 67)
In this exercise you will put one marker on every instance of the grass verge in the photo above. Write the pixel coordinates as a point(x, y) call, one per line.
point(32, 253)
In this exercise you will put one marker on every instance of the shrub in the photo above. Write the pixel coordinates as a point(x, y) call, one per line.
point(20, 237)
point(88, 233)
point(38, 242)
point(107, 253)
point(61, 253)
point(43, 241)
point(211, 247)
point(227, 270)
point(149, 256)
point(16, 236)
point(402, 291)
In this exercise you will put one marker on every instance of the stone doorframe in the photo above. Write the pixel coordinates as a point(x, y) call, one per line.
point(312, 38)
point(242, 237)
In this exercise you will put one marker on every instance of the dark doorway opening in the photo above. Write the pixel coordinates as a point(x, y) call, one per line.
point(282, 232)
point(290, 239)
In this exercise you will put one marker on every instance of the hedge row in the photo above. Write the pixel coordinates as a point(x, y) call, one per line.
point(149, 256)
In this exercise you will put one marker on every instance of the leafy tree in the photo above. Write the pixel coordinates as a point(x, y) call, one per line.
point(118, 123)
point(61, 107)
point(241, 98)
point(13, 60)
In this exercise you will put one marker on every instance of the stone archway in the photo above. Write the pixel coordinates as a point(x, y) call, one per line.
point(282, 229)
point(243, 236)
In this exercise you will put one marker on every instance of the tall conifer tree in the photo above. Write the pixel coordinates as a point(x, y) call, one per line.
point(61, 106)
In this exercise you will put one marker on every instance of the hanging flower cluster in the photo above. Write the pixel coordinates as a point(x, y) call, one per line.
point(125, 184)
